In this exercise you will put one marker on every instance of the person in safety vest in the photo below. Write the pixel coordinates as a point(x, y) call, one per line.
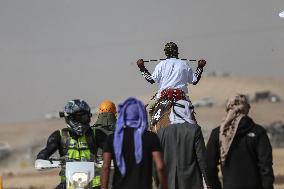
point(106, 117)
point(77, 142)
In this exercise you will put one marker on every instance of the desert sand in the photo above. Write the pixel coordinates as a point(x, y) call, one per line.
point(27, 138)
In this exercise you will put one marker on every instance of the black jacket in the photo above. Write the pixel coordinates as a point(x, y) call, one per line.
point(184, 155)
point(249, 161)
point(54, 143)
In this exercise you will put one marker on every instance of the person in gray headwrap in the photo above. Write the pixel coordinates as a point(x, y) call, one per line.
point(184, 149)
point(242, 148)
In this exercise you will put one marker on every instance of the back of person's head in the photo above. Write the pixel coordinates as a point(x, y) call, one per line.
point(106, 116)
point(107, 106)
point(131, 113)
point(171, 50)
point(239, 102)
point(182, 111)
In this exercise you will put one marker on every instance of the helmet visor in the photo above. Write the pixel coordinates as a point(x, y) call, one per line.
point(80, 117)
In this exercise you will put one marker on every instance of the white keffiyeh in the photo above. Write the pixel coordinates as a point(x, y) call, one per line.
point(182, 112)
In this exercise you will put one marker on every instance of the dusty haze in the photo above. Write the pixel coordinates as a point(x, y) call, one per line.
point(52, 51)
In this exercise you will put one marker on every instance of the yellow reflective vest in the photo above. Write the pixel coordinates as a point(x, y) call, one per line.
point(77, 150)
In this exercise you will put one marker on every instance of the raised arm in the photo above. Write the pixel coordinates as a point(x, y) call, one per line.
point(199, 70)
point(145, 73)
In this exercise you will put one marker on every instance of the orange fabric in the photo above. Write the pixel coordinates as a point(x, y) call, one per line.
point(107, 106)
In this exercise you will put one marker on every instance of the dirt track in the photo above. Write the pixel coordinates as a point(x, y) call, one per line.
point(29, 178)
point(22, 137)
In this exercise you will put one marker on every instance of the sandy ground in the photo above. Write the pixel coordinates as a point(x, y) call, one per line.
point(27, 138)
point(27, 178)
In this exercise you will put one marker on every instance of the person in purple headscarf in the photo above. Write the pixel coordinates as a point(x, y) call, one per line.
point(133, 150)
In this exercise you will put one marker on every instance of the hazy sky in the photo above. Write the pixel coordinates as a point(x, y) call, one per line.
point(55, 50)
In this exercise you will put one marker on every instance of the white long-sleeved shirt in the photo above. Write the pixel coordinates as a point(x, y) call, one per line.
point(173, 73)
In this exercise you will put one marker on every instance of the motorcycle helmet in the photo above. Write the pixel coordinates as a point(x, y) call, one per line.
point(77, 115)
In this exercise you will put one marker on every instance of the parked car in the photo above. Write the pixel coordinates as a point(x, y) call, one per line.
point(204, 102)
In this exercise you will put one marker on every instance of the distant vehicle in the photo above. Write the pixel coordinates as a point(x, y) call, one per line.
point(5, 149)
point(204, 102)
point(281, 14)
point(274, 98)
point(262, 95)
point(266, 95)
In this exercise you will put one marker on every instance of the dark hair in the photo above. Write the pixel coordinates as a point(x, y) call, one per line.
point(171, 50)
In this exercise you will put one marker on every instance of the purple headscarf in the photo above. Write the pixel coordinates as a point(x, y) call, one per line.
point(132, 114)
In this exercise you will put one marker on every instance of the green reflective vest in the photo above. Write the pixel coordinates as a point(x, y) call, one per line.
point(77, 150)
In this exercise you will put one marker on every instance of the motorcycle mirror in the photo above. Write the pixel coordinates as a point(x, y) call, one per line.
point(61, 114)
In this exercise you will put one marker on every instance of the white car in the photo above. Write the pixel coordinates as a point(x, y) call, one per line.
point(204, 102)
point(281, 14)
point(5, 149)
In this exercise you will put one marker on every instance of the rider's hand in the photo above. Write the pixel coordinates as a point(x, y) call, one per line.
point(140, 63)
point(201, 63)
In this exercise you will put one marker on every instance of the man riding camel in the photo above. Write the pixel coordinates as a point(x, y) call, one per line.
point(172, 73)
point(173, 76)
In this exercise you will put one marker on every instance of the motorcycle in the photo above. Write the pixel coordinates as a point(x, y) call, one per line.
point(79, 175)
